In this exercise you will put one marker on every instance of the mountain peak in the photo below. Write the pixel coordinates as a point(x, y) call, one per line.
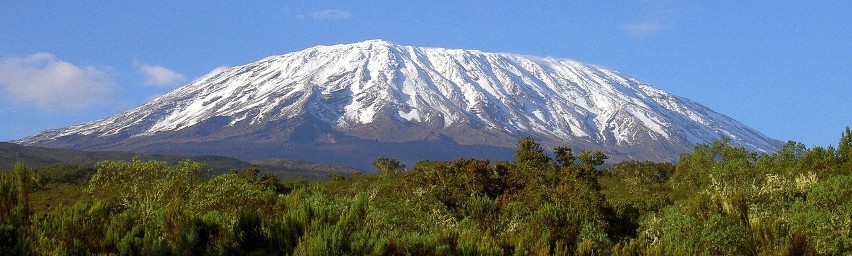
point(375, 42)
point(381, 95)
point(367, 45)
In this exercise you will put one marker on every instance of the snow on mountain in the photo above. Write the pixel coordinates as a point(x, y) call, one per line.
point(380, 91)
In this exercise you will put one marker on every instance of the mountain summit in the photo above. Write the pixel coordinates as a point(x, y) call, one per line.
point(346, 104)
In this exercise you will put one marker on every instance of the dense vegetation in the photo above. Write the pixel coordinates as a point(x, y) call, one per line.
point(718, 200)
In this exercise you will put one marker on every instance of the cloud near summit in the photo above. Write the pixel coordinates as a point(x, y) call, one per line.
point(47, 83)
point(159, 76)
point(642, 29)
point(330, 14)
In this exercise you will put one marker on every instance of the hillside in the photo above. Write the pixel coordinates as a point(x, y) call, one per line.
point(37, 157)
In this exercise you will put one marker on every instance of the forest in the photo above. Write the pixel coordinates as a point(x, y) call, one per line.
point(716, 200)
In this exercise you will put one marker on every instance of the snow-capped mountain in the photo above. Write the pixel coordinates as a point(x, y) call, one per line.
point(353, 102)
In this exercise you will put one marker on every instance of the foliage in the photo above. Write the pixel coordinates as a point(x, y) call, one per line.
point(388, 166)
point(718, 199)
point(530, 153)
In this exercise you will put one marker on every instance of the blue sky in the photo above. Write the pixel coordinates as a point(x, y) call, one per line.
point(782, 68)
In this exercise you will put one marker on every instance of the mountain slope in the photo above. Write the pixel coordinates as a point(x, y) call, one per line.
point(36, 157)
point(340, 103)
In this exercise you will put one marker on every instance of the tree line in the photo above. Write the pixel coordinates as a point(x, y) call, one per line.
point(717, 200)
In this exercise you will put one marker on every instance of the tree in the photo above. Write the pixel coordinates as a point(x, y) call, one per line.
point(248, 233)
point(845, 145)
point(388, 165)
point(250, 173)
point(586, 171)
point(564, 155)
point(591, 159)
point(14, 210)
point(529, 152)
point(24, 182)
point(146, 186)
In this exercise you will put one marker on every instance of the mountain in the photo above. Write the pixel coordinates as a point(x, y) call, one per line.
point(347, 104)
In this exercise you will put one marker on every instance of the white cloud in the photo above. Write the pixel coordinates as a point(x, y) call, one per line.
point(43, 81)
point(153, 96)
point(218, 70)
point(215, 71)
point(642, 29)
point(330, 14)
point(159, 76)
